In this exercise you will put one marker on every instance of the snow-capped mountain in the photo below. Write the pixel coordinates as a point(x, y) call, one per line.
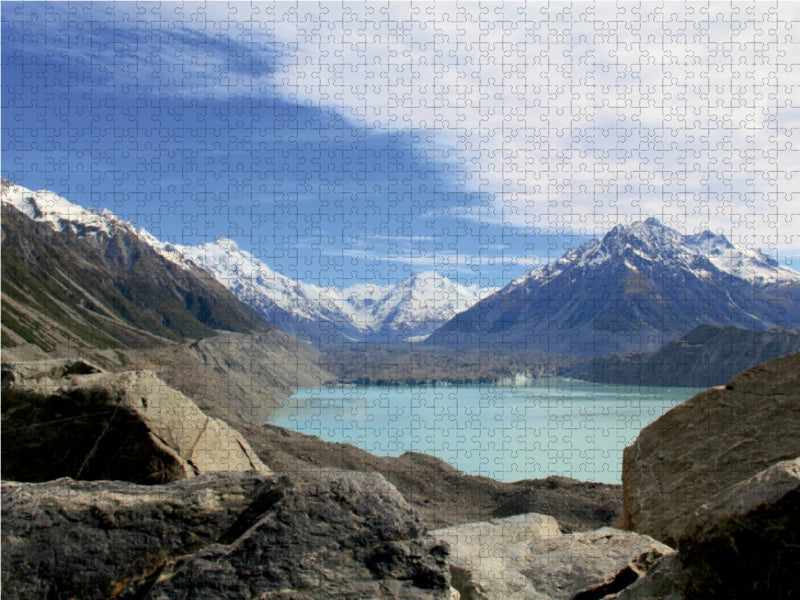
point(639, 286)
point(62, 215)
point(308, 311)
point(86, 280)
point(410, 310)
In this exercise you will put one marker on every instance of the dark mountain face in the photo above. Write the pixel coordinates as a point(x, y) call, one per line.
point(706, 356)
point(106, 290)
point(635, 289)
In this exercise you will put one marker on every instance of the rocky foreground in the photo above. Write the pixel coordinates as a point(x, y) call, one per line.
point(124, 488)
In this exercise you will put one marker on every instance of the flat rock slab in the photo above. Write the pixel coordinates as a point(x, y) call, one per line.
point(526, 557)
point(81, 423)
point(708, 443)
point(330, 534)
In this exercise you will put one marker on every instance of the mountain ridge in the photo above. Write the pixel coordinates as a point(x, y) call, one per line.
point(708, 355)
point(76, 277)
point(634, 289)
point(407, 311)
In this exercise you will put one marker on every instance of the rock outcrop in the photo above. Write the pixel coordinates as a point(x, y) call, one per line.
point(706, 356)
point(709, 443)
point(73, 420)
point(526, 557)
point(330, 534)
point(745, 542)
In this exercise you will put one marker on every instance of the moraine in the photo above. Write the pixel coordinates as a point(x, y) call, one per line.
point(551, 426)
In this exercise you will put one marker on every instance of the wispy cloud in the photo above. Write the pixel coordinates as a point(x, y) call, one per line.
point(574, 114)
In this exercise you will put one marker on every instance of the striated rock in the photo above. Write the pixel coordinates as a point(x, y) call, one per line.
point(78, 422)
point(709, 443)
point(745, 542)
point(332, 534)
point(97, 539)
point(329, 534)
point(526, 557)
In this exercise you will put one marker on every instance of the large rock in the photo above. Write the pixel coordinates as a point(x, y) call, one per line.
point(97, 539)
point(329, 534)
point(709, 443)
point(526, 557)
point(73, 420)
point(745, 542)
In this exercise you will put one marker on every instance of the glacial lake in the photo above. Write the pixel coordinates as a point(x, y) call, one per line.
point(551, 426)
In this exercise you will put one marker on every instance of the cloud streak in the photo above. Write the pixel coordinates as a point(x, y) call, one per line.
point(575, 115)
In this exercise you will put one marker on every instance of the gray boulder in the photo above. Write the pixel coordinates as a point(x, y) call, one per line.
point(526, 557)
point(77, 421)
point(709, 443)
point(329, 534)
point(100, 539)
point(745, 542)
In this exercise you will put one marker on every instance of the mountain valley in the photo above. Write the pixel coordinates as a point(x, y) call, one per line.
point(84, 281)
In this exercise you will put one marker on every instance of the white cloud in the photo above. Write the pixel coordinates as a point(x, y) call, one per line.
point(571, 115)
point(574, 114)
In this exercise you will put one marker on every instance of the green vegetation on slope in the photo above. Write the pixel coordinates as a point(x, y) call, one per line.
point(105, 292)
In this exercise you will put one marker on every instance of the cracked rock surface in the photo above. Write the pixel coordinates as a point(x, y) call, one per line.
point(526, 557)
point(330, 534)
point(75, 420)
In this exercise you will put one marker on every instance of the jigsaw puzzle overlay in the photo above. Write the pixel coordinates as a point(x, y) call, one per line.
point(449, 240)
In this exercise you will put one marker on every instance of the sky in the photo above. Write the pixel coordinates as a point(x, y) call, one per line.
point(346, 143)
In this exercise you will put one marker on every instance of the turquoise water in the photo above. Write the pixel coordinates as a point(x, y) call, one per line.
point(555, 426)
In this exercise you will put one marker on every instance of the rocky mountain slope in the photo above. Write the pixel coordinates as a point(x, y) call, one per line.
point(81, 284)
point(708, 355)
point(636, 288)
point(93, 283)
point(410, 310)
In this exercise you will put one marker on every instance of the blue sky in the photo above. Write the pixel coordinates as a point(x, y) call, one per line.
point(346, 143)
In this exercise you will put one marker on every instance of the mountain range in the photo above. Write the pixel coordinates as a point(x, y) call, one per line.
point(634, 289)
point(408, 311)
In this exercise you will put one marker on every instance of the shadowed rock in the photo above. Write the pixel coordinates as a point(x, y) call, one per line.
point(330, 534)
point(97, 539)
point(712, 441)
point(745, 542)
point(129, 426)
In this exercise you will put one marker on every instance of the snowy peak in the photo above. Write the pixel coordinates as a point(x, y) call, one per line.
point(48, 207)
point(650, 244)
point(709, 243)
point(63, 215)
point(633, 289)
point(419, 304)
point(411, 309)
